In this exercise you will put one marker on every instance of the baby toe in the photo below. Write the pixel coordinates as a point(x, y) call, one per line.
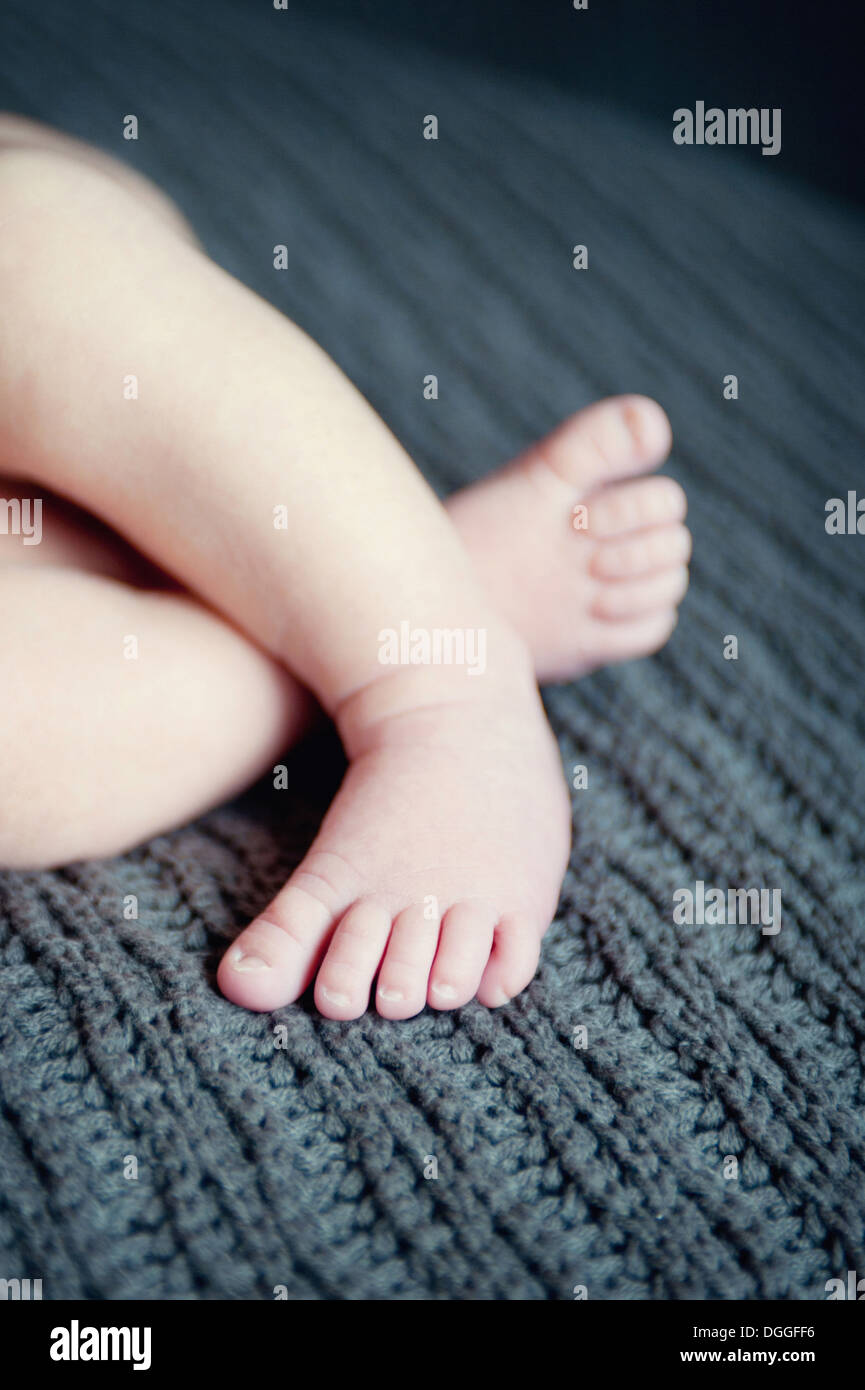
point(626, 640)
point(635, 506)
point(404, 976)
point(272, 962)
point(512, 963)
point(643, 552)
point(633, 598)
point(352, 958)
point(463, 951)
point(614, 438)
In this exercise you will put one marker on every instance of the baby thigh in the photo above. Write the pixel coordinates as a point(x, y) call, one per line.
point(123, 713)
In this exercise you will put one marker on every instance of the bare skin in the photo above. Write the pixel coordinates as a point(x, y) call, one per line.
point(437, 869)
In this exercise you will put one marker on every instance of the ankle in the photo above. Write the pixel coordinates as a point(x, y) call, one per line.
point(432, 670)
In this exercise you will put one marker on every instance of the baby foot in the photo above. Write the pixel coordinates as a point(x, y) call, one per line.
point(438, 865)
point(586, 560)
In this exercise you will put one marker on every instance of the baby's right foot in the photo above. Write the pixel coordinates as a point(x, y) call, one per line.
point(587, 561)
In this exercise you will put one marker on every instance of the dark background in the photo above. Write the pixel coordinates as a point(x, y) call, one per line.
point(656, 56)
point(647, 57)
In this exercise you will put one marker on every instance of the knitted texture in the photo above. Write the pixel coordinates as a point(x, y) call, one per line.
point(290, 1150)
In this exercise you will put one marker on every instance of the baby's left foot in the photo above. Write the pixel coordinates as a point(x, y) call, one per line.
point(437, 868)
point(585, 557)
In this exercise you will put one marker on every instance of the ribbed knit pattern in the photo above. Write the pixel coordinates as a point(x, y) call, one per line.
point(303, 1164)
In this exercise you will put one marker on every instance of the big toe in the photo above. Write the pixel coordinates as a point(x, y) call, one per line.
point(273, 961)
point(612, 439)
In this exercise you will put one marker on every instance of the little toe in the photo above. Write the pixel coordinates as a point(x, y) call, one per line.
point(404, 976)
point(512, 963)
point(626, 640)
point(463, 951)
point(636, 506)
point(272, 962)
point(352, 958)
point(642, 552)
point(633, 598)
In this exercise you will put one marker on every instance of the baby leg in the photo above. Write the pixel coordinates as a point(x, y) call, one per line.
point(578, 600)
point(556, 584)
point(125, 712)
point(127, 706)
point(249, 468)
point(21, 133)
point(551, 580)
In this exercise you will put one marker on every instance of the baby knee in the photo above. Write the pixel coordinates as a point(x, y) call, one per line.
point(28, 810)
point(23, 843)
point(31, 715)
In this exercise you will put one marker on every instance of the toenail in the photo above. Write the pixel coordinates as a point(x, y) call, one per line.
point(243, 960)
point(333, 998)
point(634, 420)
point(392, 996)
point(647, 423)
point(444, 991)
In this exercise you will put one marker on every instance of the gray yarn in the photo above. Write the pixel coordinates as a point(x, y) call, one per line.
point(303, 1165)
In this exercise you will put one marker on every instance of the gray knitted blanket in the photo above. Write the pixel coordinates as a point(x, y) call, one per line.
point(155, 1141)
